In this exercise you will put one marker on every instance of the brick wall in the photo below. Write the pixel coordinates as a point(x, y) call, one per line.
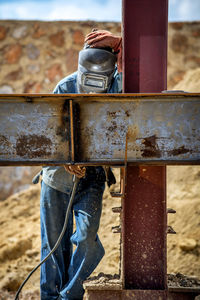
point(35, 55)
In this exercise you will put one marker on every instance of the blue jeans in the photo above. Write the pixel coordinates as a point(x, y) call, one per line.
point(63, 273)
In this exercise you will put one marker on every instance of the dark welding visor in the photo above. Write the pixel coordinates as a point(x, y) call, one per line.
point(95, 70)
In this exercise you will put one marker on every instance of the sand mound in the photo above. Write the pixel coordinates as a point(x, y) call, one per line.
point(19, 238)
point(190, 82)
point(183, 195)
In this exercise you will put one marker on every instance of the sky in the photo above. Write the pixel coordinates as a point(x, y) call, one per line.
point(99, 10)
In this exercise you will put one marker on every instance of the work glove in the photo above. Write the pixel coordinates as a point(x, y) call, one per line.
point(110, 177)
point(103, 39)
point(75, 170)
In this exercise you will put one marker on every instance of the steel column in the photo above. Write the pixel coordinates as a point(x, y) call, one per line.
point(144, 204)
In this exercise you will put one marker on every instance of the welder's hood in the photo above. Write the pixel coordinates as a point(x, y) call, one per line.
point(95, 70)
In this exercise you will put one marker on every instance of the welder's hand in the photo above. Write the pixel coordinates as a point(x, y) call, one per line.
point(76, 170)
point(104, 38)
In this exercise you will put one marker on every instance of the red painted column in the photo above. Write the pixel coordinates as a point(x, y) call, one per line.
point(144, 205)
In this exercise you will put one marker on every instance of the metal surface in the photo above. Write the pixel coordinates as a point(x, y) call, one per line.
point(145, 45)
point(144, 204)
point(124, 295)
point(167, 129)
point(182, 296)
point(183, 293)
point(117, 294)
point(113, 290)
point(102, 295)
point(143, 295)
point(170, 230)
point(144, 228)
point(72, 130)
point(171, 211)
point(94, 129)
point(34, 129)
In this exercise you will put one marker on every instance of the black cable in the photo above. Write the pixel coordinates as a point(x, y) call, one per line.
point(76, 180)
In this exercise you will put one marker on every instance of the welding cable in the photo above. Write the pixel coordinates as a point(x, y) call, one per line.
point(76, 181)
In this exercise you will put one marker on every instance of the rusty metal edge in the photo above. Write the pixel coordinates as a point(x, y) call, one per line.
point(99, 97)
point(118, 288)
point(184, 289)
point(72, 130)
point(100, 163)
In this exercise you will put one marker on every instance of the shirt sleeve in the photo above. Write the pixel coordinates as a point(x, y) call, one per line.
point(67, 85)
point(59, 90)
point(117, 83)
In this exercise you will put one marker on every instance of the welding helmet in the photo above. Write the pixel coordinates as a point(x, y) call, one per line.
point(95, 69)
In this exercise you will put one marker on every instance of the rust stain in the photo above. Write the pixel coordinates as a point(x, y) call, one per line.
point(112, 127)
point(151, 147)
point(115, 114)
point(72, 130)
point(4, 142)
point(127, 113)
point(179, 151)
point(33, 146)
point(113, 131)
point(63, 129)
point(112, 114)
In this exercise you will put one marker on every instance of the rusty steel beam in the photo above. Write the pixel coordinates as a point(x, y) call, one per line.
point(109, 289)
point(97, 294)
point(159, 129)
point(93, 129)
point(183, 293)
point(144, 203)
point(34, 129)
point(144, 228)
point(115, 291)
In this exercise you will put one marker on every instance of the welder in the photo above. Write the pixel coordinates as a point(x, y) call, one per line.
point(62, 275)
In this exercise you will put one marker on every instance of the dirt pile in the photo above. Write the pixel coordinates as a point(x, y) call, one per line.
point(15, 179)
point(19, 238)
point(183, 50)
point(190, 82)
point(183, 195)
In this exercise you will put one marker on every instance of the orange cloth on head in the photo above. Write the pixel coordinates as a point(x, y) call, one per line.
point(103, 39)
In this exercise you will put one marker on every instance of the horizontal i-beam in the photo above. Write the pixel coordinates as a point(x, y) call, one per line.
point(93, 129)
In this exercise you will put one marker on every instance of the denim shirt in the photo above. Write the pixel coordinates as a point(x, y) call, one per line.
point(57, 177)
